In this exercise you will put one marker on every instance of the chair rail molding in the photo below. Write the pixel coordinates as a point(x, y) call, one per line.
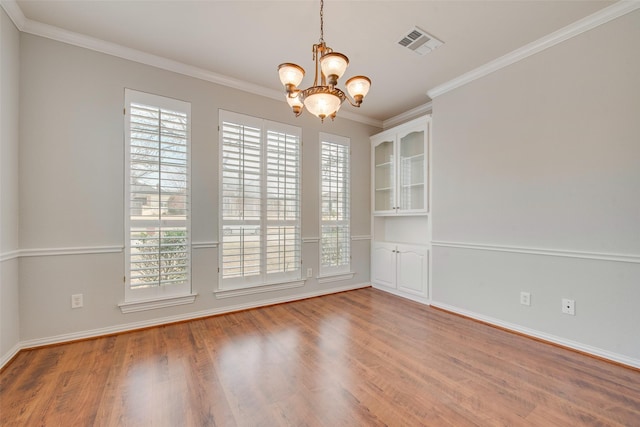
point(601, 256)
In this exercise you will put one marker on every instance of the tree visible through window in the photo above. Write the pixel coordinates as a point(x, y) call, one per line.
point(157, 202)
point(335, 233)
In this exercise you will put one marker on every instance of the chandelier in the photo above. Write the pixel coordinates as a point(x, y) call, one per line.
point(323, 99)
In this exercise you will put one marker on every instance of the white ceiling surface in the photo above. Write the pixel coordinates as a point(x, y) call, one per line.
point(247, 40)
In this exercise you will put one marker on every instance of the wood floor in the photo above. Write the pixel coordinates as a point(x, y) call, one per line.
point(359, 358)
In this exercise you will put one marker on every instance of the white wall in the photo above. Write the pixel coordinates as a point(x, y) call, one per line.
point(9, 105)
point(534, 165)
point(71, 187)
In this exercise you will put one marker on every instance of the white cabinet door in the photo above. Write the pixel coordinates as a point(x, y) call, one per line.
point(412, 172)
point(384, 176)
point(383, 264)
point(400, 169)
point(412, 269)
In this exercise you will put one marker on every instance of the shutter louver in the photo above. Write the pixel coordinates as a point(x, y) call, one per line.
point(283, 203)
point(241, 200)
point(335, 240)
point(158, 202)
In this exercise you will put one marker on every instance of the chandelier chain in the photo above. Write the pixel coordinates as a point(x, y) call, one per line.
point(321, 21)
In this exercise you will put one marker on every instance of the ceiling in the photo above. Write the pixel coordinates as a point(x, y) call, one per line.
point(246, 40)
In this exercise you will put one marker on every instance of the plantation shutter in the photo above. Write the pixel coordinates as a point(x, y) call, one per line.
point(260, 199)
point(335, 235)
point(158, 205)
point(283, 203)
point(241, 200)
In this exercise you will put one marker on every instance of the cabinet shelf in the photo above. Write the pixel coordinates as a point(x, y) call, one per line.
point(413, 184)
point(384, 189)
point(382, 165)
point(415, 156)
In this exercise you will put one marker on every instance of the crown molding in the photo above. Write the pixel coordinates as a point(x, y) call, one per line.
point(353, 116)
point(69, 37)
point(14, 12)
point(416, 112)
point(592, 21)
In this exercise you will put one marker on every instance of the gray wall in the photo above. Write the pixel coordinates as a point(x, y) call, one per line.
point(71, 187)
point(9, 244)
point(536, 174)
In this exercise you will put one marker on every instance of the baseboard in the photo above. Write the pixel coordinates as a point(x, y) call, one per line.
point(396, 292)
point(128, 327)
point(8, 357)
point(552, 339)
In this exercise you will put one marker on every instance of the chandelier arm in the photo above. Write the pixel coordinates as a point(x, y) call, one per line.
point(348, 98)
point(316, 58)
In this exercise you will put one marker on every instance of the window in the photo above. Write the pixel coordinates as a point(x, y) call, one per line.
point(335, 233)
point(260, 191)
point(157, 205)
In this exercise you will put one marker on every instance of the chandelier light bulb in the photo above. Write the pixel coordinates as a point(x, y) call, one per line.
point(290, 74)
point(358, 87)
point(333, 66)
point(322, 105)
point(295, 103)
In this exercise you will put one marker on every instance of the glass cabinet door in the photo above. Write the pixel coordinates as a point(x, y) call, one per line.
point(384, 174)
point(412, 172)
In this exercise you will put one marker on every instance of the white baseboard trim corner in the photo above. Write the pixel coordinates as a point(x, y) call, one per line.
point(563, 342)
point(5, 358)
point(128, 327)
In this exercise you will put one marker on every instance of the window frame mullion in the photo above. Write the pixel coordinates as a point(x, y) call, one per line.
point(270, 174)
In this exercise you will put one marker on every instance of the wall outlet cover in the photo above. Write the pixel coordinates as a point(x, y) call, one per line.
point(569, 306)
point(76, 301)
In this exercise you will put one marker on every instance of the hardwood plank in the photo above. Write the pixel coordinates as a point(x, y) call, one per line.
point(357, 358)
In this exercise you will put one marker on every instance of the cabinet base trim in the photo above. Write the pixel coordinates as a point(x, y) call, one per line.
point(421, 300)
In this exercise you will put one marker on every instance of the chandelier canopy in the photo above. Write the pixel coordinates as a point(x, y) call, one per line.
point(323, 99)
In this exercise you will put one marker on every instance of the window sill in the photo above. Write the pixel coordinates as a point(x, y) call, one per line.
point(151, 304)
point(335, 277)
point(228, 293)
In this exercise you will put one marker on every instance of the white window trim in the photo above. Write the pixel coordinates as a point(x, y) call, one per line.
point(143, 305)
point(338, 277)
point(343, 272)
point(246, 286)
point(157, 296)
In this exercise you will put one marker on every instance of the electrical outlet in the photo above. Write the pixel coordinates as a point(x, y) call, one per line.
point(525, 298)
point(568, 306)
point(309, 272)
point(76, 301)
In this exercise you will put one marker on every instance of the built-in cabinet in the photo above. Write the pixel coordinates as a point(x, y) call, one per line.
point(401, 226)
point(400, 170)
point(401, 266)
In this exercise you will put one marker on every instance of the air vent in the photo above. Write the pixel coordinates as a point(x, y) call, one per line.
point(419, 41)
